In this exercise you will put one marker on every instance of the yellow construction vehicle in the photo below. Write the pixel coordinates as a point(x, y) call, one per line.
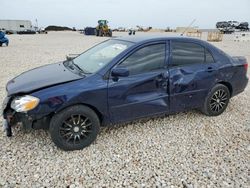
point(102, 29)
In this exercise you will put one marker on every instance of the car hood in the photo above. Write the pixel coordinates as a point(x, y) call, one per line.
point(41, 77)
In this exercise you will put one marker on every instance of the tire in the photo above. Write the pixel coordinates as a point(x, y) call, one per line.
point(100, 33)
point(110, 32)
point(216, 101)
point(1, 44)
point(74, 128)
point(97, 33)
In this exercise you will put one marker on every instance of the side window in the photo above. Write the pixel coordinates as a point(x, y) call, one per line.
point(209, 57)
point(184, 53)
point(146, 59)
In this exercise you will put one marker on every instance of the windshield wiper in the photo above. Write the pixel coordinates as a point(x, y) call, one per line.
point(77, 66)
point(80, 69)
point(74, 66)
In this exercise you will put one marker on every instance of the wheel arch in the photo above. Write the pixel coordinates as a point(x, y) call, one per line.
point(228, 85)
point(98, 113)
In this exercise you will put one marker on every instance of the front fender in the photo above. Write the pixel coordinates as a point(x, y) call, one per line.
point(57, 98)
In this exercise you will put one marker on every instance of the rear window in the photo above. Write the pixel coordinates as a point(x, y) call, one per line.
point(184, 53)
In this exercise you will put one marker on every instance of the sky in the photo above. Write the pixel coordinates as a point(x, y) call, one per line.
point(126, 13)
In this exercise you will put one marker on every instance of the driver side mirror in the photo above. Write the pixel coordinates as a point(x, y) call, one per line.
point(120, 72)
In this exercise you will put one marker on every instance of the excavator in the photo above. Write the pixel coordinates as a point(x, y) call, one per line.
point(102, 29)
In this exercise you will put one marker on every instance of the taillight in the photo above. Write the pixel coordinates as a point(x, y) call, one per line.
point(246, 66)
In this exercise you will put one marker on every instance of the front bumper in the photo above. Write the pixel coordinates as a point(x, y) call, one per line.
point(7, 118)
point(8, 121)
point(7, 128)
point(28, 121)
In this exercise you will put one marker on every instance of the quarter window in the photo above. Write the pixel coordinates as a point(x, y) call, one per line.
point(209, 57)
point(184, 53)
point(146, 59)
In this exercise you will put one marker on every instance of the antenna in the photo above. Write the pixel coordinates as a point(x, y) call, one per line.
point(188, 27)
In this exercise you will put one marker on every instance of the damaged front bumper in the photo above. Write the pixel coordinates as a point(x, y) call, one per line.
point(7, 119)
point(27, 121)
point(7, 128)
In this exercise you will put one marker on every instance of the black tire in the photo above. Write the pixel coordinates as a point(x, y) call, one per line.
point(74, 128)
point(101, 33)
point(216, 101)
point(97, 33)
point(110, 33)
point(1, 44)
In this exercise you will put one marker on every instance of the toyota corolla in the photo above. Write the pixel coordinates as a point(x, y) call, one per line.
point(120, 80)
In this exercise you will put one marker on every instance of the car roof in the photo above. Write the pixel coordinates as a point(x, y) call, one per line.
point(147, 38)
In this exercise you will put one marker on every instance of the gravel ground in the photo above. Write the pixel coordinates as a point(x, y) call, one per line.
point(182, 150)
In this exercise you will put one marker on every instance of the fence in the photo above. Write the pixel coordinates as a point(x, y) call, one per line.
point(214, 36)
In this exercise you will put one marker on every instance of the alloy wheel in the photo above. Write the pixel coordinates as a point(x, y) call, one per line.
point(218, 100)
point(75, 129)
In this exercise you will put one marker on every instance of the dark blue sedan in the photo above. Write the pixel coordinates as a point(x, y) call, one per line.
point(120, 80)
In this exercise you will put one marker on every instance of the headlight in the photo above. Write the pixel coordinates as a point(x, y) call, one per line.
point(24, 103)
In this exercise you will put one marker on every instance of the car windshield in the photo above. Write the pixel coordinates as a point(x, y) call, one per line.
point(97, 57)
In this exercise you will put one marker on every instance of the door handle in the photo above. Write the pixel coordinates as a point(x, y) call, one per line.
point(165, 85)
point(210, 69)
point(159, 79)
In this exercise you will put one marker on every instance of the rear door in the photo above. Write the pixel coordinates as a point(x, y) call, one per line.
point(192, 72)
point(145, 91)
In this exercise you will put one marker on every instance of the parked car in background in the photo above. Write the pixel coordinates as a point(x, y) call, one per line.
point(42, 31)
point(26, 32)
point(234, 23)
point(3, 39)
point(243, 26)
point(120, 80)
point(231, 26)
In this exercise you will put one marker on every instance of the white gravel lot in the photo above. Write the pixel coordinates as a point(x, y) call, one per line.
point(182, 150)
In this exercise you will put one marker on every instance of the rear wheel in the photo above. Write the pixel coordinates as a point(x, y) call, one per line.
point(74, 128)
point(101, 33)
point(216, 101)
point(110, 32)
point(1, 44)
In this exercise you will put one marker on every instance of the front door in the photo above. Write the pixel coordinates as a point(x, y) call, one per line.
point(144, 91)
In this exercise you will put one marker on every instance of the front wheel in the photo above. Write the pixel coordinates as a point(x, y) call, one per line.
point(74, 128)
point(216, 101)
point(96, 32)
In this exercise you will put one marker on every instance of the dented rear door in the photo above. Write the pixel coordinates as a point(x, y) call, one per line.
point(192, 72)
